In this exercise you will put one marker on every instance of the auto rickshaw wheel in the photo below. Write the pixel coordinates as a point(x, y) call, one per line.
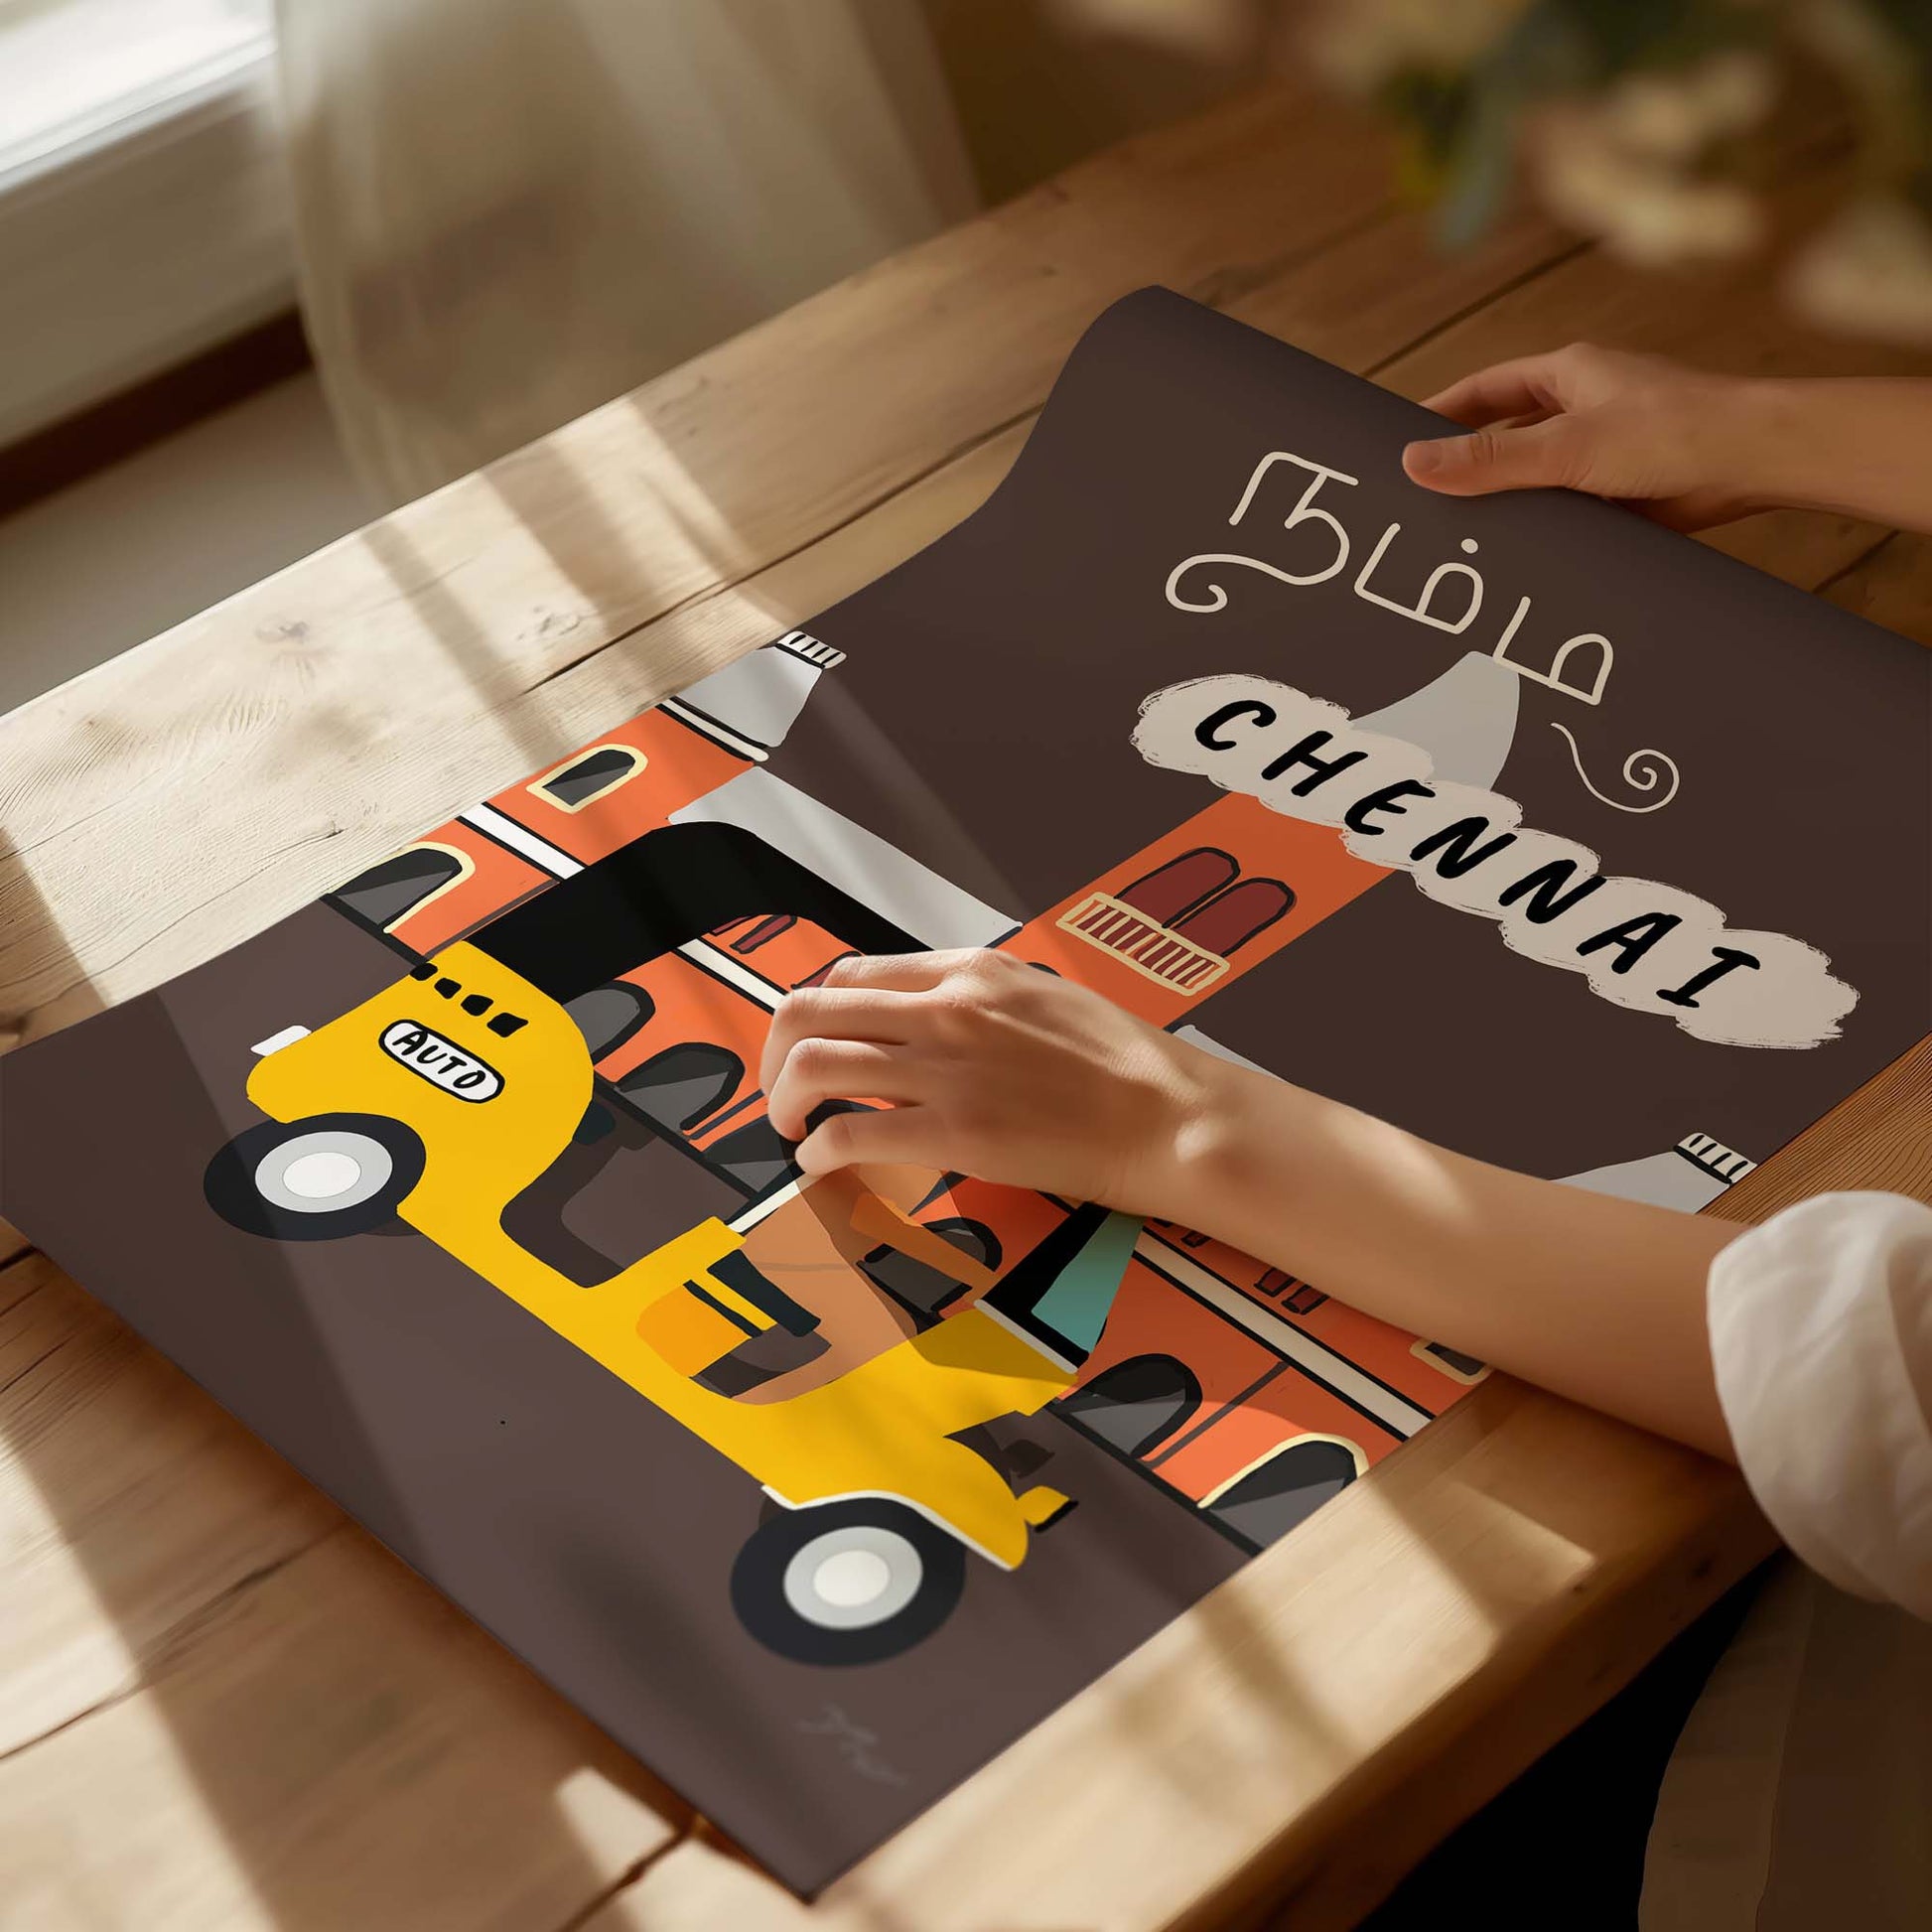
point(315, 1179)
point(852, 1581)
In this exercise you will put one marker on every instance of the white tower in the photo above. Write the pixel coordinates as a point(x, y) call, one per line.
point(1465, 719)
point(751, 704)
point(1689, 1176)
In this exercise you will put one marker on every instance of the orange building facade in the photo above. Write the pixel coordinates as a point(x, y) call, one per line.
point(1248, 1396)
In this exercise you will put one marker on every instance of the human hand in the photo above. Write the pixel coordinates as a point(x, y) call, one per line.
point(993, 1068)
point(1676, 444)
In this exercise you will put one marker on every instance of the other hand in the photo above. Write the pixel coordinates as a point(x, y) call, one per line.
point(989, 1067)
point(1669, 441)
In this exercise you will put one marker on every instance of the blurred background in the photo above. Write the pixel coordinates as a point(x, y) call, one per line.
point(269, 267)
point(438, 176)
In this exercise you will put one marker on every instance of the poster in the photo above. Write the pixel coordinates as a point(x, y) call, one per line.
point(1521, 822)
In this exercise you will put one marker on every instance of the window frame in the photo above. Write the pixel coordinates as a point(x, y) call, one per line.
point(148, 238)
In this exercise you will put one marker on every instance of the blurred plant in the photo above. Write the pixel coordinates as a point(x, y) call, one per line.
point(1646, 124)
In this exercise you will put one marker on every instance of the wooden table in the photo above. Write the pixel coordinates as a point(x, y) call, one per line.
point(223, 1706)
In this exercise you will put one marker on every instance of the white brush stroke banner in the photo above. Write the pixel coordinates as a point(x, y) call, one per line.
point(1643, 945)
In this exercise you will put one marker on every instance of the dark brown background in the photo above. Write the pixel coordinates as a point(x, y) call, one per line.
point(982, 722)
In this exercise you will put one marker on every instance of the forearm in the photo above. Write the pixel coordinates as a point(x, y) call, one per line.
point(1859, 446)
point(1600, 1300)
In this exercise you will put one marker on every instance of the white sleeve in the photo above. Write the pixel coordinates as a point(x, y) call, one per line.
point(1821, 1335)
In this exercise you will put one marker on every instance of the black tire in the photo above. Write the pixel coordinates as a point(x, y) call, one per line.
point(772, 1582)
point(391, 1165)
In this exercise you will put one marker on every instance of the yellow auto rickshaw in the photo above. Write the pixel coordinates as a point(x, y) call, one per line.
point(441, 1098)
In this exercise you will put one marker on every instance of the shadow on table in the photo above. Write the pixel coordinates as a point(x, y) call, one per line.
point(227, 1695)
point(1578, 1606)
point(625, 583)
point(617, 584)
point(1575, 1825)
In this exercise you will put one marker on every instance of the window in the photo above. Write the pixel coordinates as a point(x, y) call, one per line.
point(143, 209)
point(388, 891)
point(1231, 919)
point(608, 1015)
point(1135, 1405)
point(1452, 1361)
point(1167, 891)
point(684, 1084)
point(1195, 896)
point(83, 72)
point(750, 932)
point(1180, 922)
point(1286, 1488)
point(589, 776)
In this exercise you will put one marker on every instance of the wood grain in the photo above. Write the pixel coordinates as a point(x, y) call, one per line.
point(223, 1706)
point(125, 1492)
point(333, 1746)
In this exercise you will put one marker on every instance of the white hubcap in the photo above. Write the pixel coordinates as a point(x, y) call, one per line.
point(324, 1173)
point(854, 1577)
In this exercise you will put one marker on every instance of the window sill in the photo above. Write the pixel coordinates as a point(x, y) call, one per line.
point(142, 241)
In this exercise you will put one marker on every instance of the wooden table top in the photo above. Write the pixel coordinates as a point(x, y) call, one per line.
point(222, 1704)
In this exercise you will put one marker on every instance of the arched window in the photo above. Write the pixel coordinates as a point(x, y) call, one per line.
point(588, 776)
point(1231, 919)
point(1138, 1403)
point(608, 1016)
point(1169, 891)
point(755, 1156)
point(403, 883)
point(1180, 922)
point(1286, 1488)
point(680, 1086)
